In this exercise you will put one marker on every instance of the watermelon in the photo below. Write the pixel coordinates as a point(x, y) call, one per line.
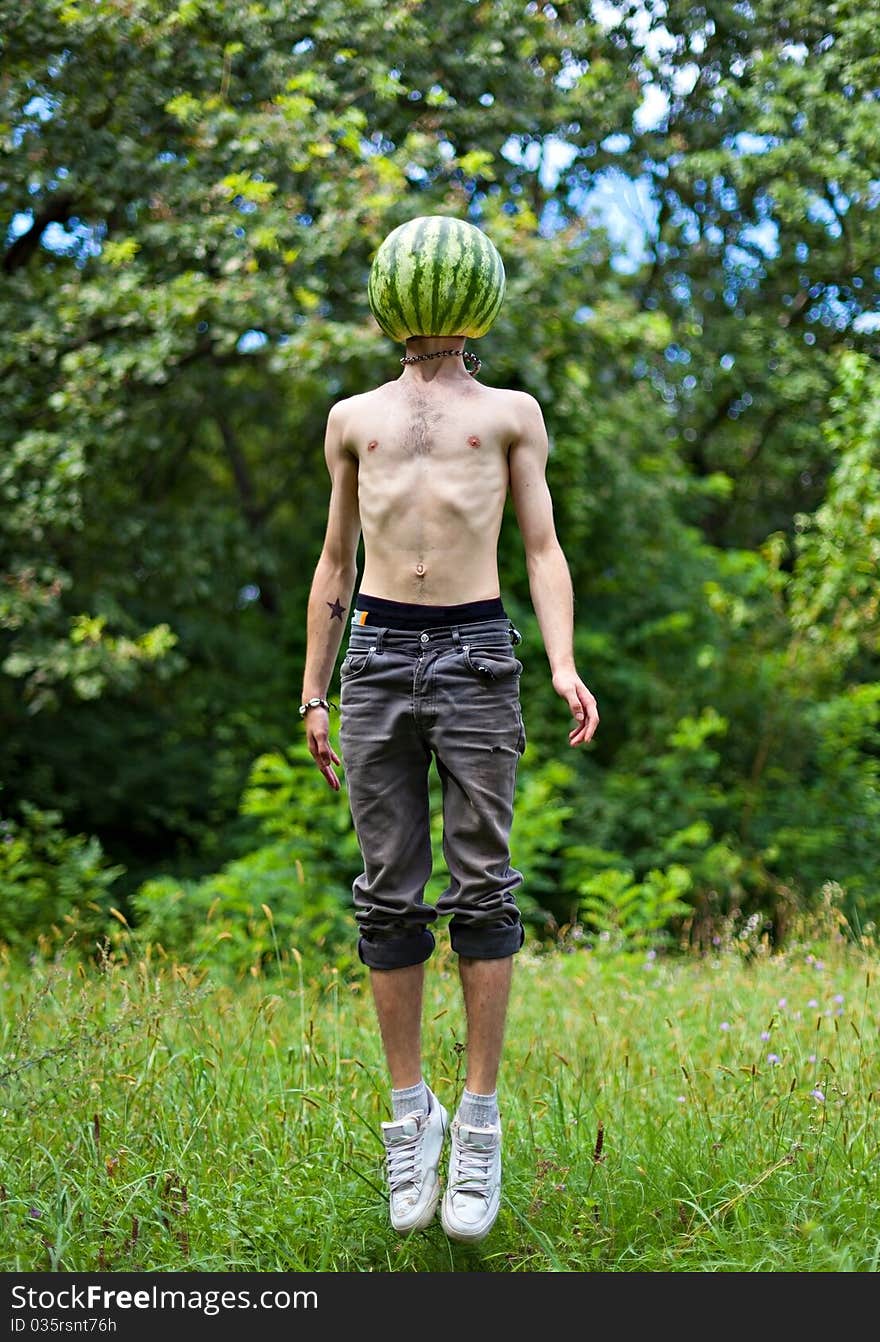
point(436, 276)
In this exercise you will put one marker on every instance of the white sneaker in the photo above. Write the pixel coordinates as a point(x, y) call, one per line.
point(412, 1153)
point(473, 1189)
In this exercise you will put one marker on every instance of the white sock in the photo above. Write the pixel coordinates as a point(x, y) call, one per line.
point(479, 1111)
point(412, 1100)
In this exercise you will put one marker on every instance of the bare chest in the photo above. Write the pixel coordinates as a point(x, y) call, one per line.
point(424, 432)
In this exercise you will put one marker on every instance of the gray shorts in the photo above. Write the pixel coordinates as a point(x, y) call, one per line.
point(405, 697)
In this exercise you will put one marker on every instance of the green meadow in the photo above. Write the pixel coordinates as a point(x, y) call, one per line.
point(660, 1114)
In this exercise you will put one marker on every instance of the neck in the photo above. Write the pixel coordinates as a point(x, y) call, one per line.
point(445, 370)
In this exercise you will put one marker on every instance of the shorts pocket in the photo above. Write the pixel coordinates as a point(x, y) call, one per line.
point(490, 662)
point(355, 663)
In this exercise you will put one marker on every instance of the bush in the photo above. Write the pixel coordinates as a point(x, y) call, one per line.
point(54, 886)
point(291, 896)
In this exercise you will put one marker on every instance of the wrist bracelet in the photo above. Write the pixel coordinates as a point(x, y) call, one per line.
point(317, 702)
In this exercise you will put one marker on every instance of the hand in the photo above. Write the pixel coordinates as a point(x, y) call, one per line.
point(571, 688)
point(317, 722)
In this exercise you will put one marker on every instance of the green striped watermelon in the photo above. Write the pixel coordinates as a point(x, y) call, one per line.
point(436, 276)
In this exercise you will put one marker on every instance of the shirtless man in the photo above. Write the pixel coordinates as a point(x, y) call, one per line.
point(422, 465)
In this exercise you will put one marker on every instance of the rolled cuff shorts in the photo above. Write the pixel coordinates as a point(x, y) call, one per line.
point(406, 696)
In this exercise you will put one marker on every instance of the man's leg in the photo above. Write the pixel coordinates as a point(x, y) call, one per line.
point(386, 767)
point(472, 1197)
point(414, 1137)
point(479, 738)
point(397, 995)
point(485, 987)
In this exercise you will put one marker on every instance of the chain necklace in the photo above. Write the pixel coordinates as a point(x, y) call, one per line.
point(466, 354)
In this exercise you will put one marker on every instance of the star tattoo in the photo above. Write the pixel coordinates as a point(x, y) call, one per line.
point(335, 609)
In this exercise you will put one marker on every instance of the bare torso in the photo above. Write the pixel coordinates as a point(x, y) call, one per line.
point(432, 482)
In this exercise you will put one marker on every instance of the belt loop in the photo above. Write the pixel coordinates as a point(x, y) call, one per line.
point(456, 636)
point(380, 634)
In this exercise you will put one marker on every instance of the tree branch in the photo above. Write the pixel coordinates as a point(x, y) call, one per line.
point(769, 425)
point(241, 474)
point(704, 434)
point(254, 512)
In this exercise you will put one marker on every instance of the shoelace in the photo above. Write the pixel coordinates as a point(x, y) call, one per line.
point(401, 1156)
point(472, 1168)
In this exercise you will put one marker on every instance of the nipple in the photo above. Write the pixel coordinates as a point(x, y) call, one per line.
point(372, 445)
point(473, 441)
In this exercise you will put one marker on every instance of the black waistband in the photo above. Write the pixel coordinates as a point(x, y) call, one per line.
point(375, 610)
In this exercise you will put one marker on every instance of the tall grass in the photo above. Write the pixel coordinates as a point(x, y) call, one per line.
point(660, 1115)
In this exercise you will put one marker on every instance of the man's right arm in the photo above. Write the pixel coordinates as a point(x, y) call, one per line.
point(331, 590)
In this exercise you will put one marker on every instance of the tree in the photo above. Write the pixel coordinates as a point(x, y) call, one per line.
point(194, 193)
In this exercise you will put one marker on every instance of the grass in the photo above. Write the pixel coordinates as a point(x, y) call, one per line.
point(660, 1115)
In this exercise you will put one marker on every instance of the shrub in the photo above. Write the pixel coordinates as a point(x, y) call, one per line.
point(54, 886)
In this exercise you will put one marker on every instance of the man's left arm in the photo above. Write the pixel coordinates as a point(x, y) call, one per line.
point(549, 576)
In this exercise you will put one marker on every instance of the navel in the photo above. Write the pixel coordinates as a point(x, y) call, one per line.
point(420, 570)
point(473, 441)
